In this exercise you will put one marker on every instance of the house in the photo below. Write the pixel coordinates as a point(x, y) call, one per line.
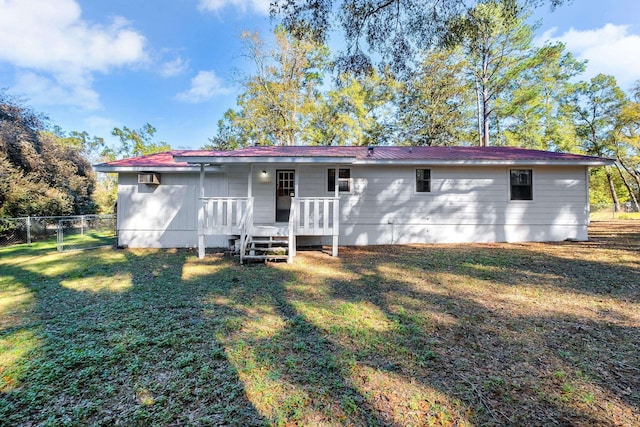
point(269, 200)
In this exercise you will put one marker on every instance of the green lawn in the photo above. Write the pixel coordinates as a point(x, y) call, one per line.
point(89, 240)
point(491, 334)
point(613, 216)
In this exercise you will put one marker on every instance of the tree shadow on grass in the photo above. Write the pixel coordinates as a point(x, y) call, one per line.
point(511, 369)
point(294, 370)
point(136, 354)
point(188, 341)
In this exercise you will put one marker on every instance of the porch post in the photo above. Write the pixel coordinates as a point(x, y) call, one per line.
point(201, 215)
point(250, 181)
point(336, 212)
point(293, 215)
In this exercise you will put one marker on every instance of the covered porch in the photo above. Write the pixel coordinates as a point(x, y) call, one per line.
point(266, 223)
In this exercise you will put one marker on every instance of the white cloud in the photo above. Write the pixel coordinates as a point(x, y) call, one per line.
point(609, 50)
point(258, 6)
point(173, 68)
point(204, 86)
point(43, 90)
point(53, 46)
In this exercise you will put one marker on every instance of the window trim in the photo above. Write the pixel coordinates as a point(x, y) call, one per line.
point(415, 181)
point(510, 185)
point(349, 181)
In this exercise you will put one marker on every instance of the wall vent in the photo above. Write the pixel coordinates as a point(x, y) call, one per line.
point(149, 178)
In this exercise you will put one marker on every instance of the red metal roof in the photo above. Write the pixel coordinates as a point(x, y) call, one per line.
point(151, 161)
point(379, 153)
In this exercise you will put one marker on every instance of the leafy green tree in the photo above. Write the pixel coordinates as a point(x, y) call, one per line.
point(41, 173)
point(627, 148)
point(279, 98)
point(595, 107)
point(530, 112)
point(93, 148)
point(230, 135)
point(67, 169)
point(496, 43)
point(20, 127)
point(135, 143)
point(355, 112)
point(435, 106)
point(393, 30)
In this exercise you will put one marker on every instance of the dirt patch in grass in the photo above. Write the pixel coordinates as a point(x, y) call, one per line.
point(486, 334)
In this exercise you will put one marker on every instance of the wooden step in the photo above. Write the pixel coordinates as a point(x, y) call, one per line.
point(272, 250)
point(269, 239)
point(266, 257)
point(265, 248)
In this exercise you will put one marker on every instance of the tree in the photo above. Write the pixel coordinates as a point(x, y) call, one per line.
point(394, 30)
point(135, 142)
point(594, 106)
point(20, 127)
point(355, 112)
point(278, 100)
point(68, 170)
point(529, 113)
point(41, 173)
point(230, 135)
point(627, 147)
point(496, 43)
point(434, 105)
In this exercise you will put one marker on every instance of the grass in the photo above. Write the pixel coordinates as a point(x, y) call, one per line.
point(613, 216)
point(88, 240)
point(487, 334)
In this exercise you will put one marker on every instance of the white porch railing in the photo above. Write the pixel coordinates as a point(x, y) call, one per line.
point(246, 224)
point(309, 216)
point(314, 216)
point(222, 216)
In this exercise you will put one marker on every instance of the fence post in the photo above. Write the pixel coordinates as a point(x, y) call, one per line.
point(59, 236)
point(82, 225)
point(29, 230)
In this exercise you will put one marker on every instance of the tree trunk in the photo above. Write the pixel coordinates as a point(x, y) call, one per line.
point(626, 184)
point(485, 118)
point(614, 195)
point(633, 174)
point(479, 112)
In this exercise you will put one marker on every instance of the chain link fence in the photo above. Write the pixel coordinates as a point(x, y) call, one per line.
point(608, 212)
point(86, 232)
point(28, 230)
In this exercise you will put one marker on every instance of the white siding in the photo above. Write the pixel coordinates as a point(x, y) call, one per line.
point(264, 193)
point(466, 204)
point(163, 215)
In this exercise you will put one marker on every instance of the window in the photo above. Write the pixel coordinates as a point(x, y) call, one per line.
point(521, 184)
point(344, 180)
point(423, 180)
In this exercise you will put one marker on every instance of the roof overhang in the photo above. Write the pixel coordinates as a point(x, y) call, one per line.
point(160, 169)
point(520, 162)
point(189, 164)
point(212, 160)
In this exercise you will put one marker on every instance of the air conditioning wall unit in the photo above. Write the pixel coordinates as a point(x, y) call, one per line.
point(149, 178)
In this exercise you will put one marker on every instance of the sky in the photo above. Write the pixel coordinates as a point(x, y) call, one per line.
point(95, 65)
